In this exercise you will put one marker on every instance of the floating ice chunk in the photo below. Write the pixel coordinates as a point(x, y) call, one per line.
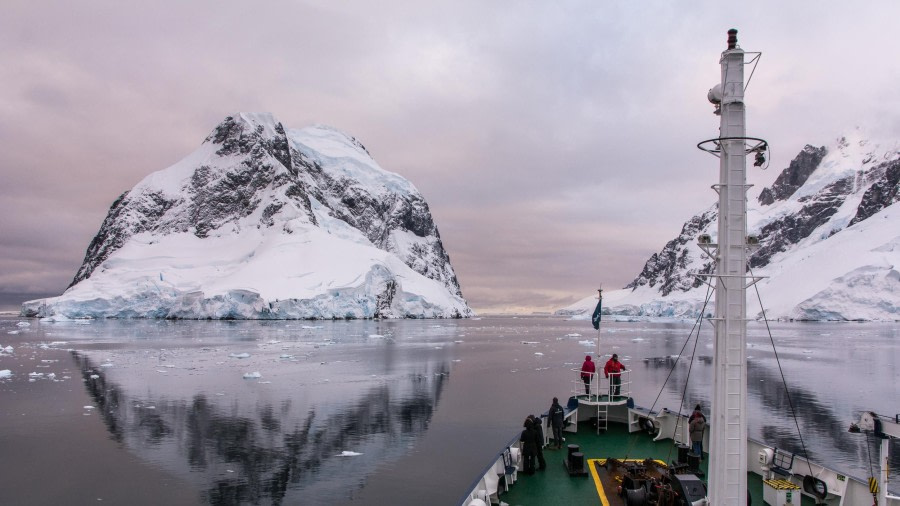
point(530, 342)
point(458, 342)
point(637, 339)
point(265, 382)
point(311, 327)
point(457, 360)
point(273, 341)
point(807, 351)
point(347, 453)
point(162, 371)
point(239, 355)
point(573, 335)
point(106, 364)
point(82, 321)
point(252, 375)
point(5, 373)
point(89, 407)
point(376, 336)
point(8, 349)
point(95, 376)
point(23, 324)
point(52, 375)
point(55, 318)
point(539, 353)
point(13, 332)
point(586, 343)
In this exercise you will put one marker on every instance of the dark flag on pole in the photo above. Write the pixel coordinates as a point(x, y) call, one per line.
point(595, 319)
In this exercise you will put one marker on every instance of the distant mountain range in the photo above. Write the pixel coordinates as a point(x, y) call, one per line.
point(829, 229)
point(264, 222)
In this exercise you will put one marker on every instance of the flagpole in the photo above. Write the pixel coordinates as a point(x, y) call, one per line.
point(595, 318)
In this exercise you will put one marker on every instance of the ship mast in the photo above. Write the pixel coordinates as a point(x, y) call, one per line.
point(728, 420)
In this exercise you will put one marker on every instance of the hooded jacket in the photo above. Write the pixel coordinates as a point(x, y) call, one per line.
point(588, 368)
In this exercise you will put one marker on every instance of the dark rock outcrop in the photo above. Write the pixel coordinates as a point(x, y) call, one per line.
point(793, 177)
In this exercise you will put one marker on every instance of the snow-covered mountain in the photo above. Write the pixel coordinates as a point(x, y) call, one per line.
point(264, 222)
point(829, 229)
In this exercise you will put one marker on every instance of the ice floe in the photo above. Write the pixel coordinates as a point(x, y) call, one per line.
point(252, 375)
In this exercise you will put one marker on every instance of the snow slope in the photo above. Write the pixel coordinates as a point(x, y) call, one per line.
point(830, 244)
point(263, 222)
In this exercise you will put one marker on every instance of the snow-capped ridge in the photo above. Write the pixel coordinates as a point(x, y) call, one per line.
point(266, 222)
point(829, 227)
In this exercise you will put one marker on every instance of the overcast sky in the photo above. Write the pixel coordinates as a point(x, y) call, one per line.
point(554, 141)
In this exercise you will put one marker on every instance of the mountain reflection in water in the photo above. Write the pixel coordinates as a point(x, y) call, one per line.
point(257, 453)
point(185, 427)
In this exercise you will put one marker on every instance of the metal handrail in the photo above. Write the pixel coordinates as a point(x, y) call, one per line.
point(600, 385)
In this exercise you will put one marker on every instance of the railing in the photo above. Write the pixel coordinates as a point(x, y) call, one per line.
point(600, 388)
point(483, 487)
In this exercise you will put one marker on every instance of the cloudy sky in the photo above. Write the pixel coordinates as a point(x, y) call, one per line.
point(554, 141)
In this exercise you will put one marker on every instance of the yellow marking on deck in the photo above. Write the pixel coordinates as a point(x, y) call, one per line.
point(599, 486)
point(781, 485)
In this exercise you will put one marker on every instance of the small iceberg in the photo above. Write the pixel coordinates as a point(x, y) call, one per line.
point(347, 453)
point(5, 374)
point(239, 355)
point(252, 375)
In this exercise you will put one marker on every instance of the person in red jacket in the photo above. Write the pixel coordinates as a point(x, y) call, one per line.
point(587, 373)
point(613, 370)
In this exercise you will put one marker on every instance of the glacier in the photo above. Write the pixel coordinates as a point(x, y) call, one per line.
point(263, 222)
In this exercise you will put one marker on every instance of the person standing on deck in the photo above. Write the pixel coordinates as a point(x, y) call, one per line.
point(529, 446)
point(696, 426)
point(587, 373)
point(557, 415)
point(538, 425)
point(613, 370)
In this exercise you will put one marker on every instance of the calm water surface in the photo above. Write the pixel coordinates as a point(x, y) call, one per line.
point(365, 412)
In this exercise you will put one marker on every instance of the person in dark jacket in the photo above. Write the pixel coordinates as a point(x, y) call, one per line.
point(539, 440)
point(557, 414)
point(588, 368)
point(529, 446)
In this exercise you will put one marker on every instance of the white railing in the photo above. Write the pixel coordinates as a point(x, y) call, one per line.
point(600, 388)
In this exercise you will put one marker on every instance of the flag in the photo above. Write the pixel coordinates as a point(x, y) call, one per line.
point(595, 319)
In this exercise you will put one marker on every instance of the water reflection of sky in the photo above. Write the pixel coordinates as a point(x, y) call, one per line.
point(426, 403)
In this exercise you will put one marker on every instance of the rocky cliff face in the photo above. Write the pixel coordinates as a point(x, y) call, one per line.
point(251, 175)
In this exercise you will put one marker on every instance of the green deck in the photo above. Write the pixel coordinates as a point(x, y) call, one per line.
point(554, 485)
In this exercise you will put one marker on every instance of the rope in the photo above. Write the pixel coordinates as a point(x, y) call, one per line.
point(787, 393)
point(672, 369)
